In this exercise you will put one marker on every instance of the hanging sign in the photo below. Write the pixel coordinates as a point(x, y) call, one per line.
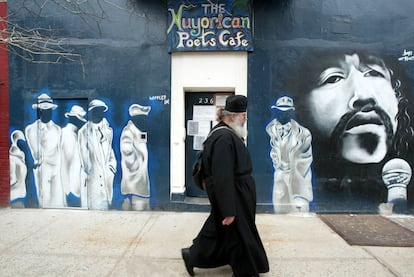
point(209, 25)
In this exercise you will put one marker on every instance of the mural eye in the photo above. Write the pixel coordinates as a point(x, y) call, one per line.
point(331, 75)
point(373, 73)
point(332, 79)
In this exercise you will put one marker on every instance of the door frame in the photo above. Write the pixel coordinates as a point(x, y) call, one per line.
point(198, 72)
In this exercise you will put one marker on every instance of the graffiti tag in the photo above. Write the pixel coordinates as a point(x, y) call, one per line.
point(160, 98)
point(406, 56)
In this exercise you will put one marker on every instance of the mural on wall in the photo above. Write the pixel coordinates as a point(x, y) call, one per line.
point(73, 176)
point(97, 156)
point(122, 60)
point(291, 154)
point(204, 26)
point(355, 103)
point(18, 169)
point(133, 143)
point(43, 137)
point(75, 165)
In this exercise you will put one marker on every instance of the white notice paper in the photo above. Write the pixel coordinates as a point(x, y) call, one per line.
point(198, 128)
point(198, 142)
point(203, 112)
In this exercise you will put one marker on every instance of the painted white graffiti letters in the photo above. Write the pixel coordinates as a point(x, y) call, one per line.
point(406, 56)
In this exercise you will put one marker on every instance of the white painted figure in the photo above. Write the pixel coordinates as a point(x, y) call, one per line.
point(43, 137)
point(98, 158)
point(292, 157)
point(133, 144)
point(73, 178)
point(18, 171)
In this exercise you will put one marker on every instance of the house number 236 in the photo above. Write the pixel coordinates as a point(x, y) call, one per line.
point(206, 100)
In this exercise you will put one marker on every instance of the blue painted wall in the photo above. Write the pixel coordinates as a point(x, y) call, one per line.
point(125, 61)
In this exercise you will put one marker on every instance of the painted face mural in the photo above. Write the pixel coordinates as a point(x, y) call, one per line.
point(355, 107)
point(354, 104)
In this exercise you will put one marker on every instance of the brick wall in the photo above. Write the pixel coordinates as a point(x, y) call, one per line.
point(4, 116)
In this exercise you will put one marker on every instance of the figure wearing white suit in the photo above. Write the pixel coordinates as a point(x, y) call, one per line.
point(133, 145)
point(71, 170)
point(292, 157)
point(98, 158)
point(43, 137)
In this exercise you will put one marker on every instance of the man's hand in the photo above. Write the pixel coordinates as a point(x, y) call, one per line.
point(228, 220)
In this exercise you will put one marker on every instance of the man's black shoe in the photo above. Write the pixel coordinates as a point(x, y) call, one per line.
point(185, 252)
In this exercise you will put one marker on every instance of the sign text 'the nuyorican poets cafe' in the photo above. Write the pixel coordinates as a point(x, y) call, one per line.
point(206, 26)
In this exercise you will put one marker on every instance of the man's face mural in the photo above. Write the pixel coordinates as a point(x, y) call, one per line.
point(353, 105)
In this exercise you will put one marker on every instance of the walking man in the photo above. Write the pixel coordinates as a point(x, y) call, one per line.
point(229, 235)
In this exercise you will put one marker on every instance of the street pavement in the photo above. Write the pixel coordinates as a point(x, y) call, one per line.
point(52, 242)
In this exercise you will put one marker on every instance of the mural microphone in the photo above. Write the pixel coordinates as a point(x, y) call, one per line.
point(396, 175)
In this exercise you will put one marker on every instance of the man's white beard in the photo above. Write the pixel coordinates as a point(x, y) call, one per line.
point(239, 129)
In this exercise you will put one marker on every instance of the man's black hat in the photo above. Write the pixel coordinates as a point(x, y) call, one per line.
point(236, 104)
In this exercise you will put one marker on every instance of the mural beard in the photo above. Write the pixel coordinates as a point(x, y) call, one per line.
point(327, 150)
point(370, 142)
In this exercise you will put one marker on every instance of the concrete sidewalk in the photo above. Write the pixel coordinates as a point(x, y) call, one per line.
point(119, 243)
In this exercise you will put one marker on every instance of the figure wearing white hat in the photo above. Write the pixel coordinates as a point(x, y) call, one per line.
point(43, 137)
point(98, 157)
point(133, 144)
point(18, 171)
point(71, 170)
point(292, 157)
